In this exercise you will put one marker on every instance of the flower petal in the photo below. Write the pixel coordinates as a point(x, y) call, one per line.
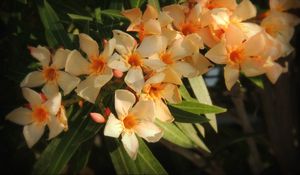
point(152, 27)
point(273, 71)
point(149, 131)
point(255, 45)
point(60, 58)
point(148, 48)
point(76, 64)
point(234, 36)
point(135, 79)
point(109, 48)
point(231, 75)
point(125, 43)
point(113, 127)
point(162, 112)
point(132, 14)
point(150, 13)
point(130, 144)
point(156, 78)
point(21, 116)
point(33, 133)
point(88, 45)
point(103, 78)
point(67, 82)
point(31, 96)
point(185, 69)
point(41, 53)
point(218, 54)
point(33, 79)
point(171, 94)
point(50, 89)
point(144, 110)
point(118, 62)
point(124, 100)
point(245, 10)
point(88, 90)
point(176, 12)
point(164, 19)
point(55, 127)
point(171, 76)
point(53, 104)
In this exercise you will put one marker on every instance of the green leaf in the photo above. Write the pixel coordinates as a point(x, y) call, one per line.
point(112, 13)
point(61, 149)
point(155, 4)
point(187, 117)
point(257, 81)
point(174, 135)
point(123, 164)
point(79, 17)
point(81, 157)
point(198, 108)
point(145, 162)
point(55, 33)
point(185, 94)
point(201, 92)
point(190, 131)
point(136, 3)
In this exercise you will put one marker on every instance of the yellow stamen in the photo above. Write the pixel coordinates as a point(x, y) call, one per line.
point(50, 74)
point(135, 59)
point(97, 65)
point(40, 114)
point(130, 121)
point(166, 58)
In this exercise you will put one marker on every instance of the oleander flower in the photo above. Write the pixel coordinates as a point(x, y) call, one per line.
point(156, 91)
point(243, 55)
point(50, 75)
point(128, 59)
point(95, 67)
point(148, 23)
point(40, 114)
point(133, 118)
point(176, 59)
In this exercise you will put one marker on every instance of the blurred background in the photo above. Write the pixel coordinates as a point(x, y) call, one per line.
point(259, 134)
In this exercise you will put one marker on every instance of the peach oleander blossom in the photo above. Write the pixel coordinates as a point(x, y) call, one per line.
point(95, 67)
point(130, 59)
point(156, 91)
point(176, 59)
point(216, 21)
point(50, 75)
point(245, 55)
point(38, 116)
point(148, 23)
point(280, 24)
point(133, 118)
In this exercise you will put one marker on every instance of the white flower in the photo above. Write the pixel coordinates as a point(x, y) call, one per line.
point(40, 115)
point(137, 119)
point(95, 67)
point(50, 75)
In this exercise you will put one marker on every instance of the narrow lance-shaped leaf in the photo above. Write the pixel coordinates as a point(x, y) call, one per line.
point(174, 134)
point(201, 92)
point(187, 117)
point(198, 108)
point(55, 33)
point(145, 162)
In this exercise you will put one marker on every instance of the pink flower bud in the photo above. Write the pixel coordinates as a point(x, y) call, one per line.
point(96, 117)
point(107, 112)
point(118, 73)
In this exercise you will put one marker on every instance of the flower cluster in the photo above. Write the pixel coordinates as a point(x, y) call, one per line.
point(171, 44)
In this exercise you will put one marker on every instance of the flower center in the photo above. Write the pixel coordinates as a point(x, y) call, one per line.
point(135, 60)
point(50, 73)
point(219, 33)
point(236, 56)
point(166, 58)
point(40, 114)
point(97, 65)
point(188, 28)
point(130, 121)
point(154, 90)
